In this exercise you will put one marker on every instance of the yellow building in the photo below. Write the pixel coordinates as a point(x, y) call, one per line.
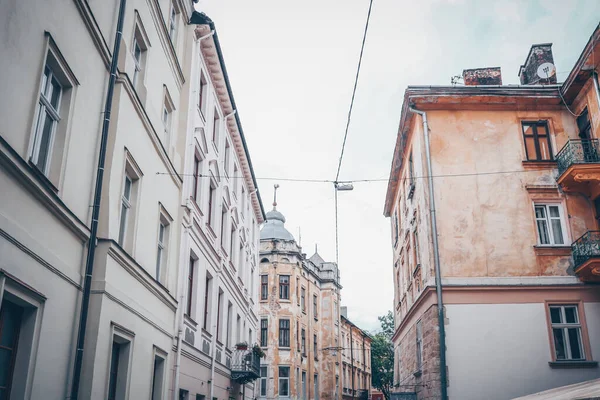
point(356, 360)
point(299, 300)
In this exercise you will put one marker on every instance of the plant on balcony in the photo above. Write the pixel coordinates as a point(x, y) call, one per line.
point(241, 346)
point(258, 351)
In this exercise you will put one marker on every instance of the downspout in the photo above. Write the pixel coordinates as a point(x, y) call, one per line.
point(89, 263)
point(436, 255)
point(181, 300)
point(596, 86)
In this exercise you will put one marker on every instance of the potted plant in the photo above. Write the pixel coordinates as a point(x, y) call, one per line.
point(258, 351)
point(241, 346)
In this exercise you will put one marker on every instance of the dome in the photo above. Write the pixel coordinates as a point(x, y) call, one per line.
point(274, 227)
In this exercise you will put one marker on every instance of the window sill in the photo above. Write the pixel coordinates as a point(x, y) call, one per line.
point(42, 177)
point(210, 230)
point(281, 348)
point(284, 301)
point(190, 321)
point(533, 164)
point(552, 250)
point(573, 364)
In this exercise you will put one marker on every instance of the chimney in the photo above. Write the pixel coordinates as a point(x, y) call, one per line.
point(344, 311)
point(538, 54)
point(482, 76)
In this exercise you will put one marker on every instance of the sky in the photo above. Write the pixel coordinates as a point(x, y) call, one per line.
point(292, 66)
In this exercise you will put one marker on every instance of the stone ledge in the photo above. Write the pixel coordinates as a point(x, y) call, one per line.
point(573, 364)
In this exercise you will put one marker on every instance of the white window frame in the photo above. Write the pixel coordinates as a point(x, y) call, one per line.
point(162, 243)
point(173, 23)
point(139, 40)
point(264, 382)
point(120, 335)
point(125, 209)
point(167, 116)
point(158, 386)
point(565, 326)
point(279, 379)
point(548, 220)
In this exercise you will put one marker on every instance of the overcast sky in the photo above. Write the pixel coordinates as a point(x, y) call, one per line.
point(292, 66)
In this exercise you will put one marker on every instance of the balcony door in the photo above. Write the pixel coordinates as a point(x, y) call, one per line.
point(597, 210)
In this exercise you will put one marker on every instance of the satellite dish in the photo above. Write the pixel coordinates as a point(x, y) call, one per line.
point(546, 70)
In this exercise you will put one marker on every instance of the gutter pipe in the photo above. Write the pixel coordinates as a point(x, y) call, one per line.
point(181, 301)
point(436, 254)
point(89, 263)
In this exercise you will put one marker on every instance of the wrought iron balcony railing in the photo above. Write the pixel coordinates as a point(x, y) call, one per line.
point(580, 151)
point(586, 247)
point(245, 366)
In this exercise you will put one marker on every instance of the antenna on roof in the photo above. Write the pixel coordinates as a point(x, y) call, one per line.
point(546, 70)
point(275, 186)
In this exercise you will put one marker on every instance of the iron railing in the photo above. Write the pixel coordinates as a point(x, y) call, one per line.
point(586, 247)
point(245, 366)
point(580, 151)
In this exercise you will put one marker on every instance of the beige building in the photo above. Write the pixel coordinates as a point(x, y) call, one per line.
point(493, 196)
point(299, 318)
point(222, 211)
point(356, 360)
point(177, 237)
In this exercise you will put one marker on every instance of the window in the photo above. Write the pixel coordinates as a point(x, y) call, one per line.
point(304, 385)
point(284, 381)
point(537, 141)
point(284, 287)
point(119, 365)
point(315, 306)
point(158, 376)
point(232, 232)
point(263, 381)
point(235, 180)
point(419, 345)
point(411, 177)
point(139, 50)
point(264, 287)
point(243, 202)
point(219, 309)
point(223, 226)
point(264, 331)
point(316, 383)
point(284, 333)
point(550, 224)
point(216, 127)
point(298, 290)
point(47, 120)
point(173, 23)
point(167, 113)
point(583, 125)
point(229, 315)
point(184, 394)
point(190, 288)
point(10, 329)
point(315, 346)
point(196, 187)
point(303, 342)
point(395, 228)
point(202, 94)
point(226, 158)
point(161, 245)
point(303, 299)
point(566, 332)
point(207, 290)
point(238, 325)
point(125, 208)
point(416, 248)
point(211, 200)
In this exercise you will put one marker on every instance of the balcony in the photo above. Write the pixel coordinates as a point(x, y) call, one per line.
point(586, 256)
point(245, 366)
point(579, 166)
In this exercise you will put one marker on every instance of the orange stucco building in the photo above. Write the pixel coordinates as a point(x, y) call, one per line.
point(500, 196)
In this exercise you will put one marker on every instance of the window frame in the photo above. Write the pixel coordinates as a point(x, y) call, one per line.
point(303, 299)
point(550, 232)
point(284, 287)
point(583, 330)
point(157, 389)
point(168, 109)
point(173, 23)
point(264, 332)
point(280, 378)
point(202, 93)
point(536, 139)
point(284, 333)
point(190, 286)
point(162, 246)
point(131, 170)
point(264, 287)
point(315, 307)
point(139, 38)
point(123, 337)
point(264, 380)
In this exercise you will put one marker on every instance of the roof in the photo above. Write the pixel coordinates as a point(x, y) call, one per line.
point(274, 227)
point(364, 334)
point(587, 390)
point(202, 19)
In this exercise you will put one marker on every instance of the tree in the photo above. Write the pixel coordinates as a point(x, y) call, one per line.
point(382, 356)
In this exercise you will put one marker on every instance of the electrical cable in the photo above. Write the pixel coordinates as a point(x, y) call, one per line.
point(362, 48)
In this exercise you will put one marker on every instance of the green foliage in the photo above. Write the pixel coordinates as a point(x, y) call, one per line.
point(382, 356)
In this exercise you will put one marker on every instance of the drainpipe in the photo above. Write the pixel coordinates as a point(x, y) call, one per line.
point(596, 86)
point(436, 254)
point(89, 263)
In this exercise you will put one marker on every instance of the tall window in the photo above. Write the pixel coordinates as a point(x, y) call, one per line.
point(264, 332)
point(550, 224)
point(216, 127)
point(315, 314)
point(583, 125)
point(139, 49)
point(298, 290)
point(211, 200)
point(416, 248)
point(10, 324)
point(566, 331)
point(226, 158)
point(223, 226)
point(207, 290)
point(284, 287)
point(114, 371)
point(195, 194)
point(173, 23)
point(202, 94)
point(316, 383)
point(284, 381)
point(284, 333)
point(161, 245)
point(264, 287)
point(119, 366)
point(48, 118)
point(166, 119)
point(303, 341)
point(125, 208)
point(229, 316)
point(190, 288)
point(411, 170)
point(232, 240)
point(158, 375)
point(315, 346)
point(537, 141)
point(219, 309)
point(419, 345)
point(303, 299)
point(263, 381)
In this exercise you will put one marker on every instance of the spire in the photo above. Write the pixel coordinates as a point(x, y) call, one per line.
point(276, 186)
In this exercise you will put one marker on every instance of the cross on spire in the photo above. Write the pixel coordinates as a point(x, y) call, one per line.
point(276, 186)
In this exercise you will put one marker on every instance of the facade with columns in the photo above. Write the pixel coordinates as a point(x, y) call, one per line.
point(299, 318)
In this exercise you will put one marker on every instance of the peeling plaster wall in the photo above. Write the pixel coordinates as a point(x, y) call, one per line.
point(285, 258)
